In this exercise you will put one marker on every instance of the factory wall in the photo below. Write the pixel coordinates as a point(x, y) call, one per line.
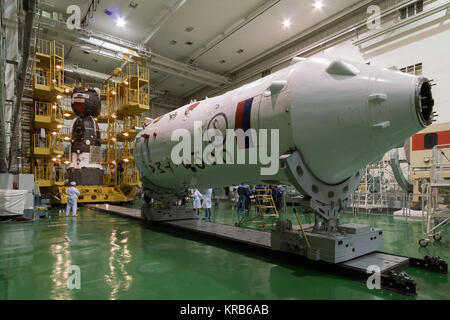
point(12, 55)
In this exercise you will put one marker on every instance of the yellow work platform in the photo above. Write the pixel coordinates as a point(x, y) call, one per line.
point(132, 109)
point(102, 119)
point(48, 152)
point(93, 194)
point(46, 93)
point(49, 122)
point(127, 135)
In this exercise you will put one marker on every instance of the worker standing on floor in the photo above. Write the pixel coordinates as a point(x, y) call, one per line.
point(197, 200)
point(207, 203)
point(242, 193)
point(72, 197)
point(280, 196)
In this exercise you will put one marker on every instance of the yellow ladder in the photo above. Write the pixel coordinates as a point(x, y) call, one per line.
point(264, 201)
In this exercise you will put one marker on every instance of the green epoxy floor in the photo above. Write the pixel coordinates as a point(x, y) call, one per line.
point(122, 259)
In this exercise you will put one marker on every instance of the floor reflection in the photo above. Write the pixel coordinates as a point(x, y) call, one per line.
point(118, 278)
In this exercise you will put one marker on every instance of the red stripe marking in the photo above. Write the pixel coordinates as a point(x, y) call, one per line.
point(418, 140)
point(193, 106)
point(157, 119)
point(239, 119)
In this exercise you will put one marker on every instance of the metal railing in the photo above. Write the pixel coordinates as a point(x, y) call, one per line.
point(42, 109)
point(58, 49)
point(135, 70)
point(44, 46)
point(48, 109)
point(49, 47)
point(58, 79)
point(42, 77)
point(440, 163)
point(125, 151)
point(58, 175)
point(56, 144)
point(50, 141)
point(42, 142)
point(42, 173)
point(50, 174)
point(435, 213)
point(65, 132)
point(130, 123)
point(131, 177)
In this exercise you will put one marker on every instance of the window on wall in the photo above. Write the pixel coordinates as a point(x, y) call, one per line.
point(415, 69)
point(411, 10)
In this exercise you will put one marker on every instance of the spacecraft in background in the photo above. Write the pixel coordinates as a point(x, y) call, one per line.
point(85, 167)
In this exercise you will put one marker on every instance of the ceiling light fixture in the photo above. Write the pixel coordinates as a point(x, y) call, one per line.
point(121, 22)
point(287, 23)
point(318, 4)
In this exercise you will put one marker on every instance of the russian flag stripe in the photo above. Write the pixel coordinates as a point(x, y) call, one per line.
point(243, 115)
point(243, 119)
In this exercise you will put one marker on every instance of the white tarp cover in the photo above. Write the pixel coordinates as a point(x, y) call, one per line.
point(12, 202)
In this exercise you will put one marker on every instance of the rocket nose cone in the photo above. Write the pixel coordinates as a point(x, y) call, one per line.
point(424, 102)
point(354, 112)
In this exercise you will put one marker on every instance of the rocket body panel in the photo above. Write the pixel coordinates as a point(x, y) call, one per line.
point(340, 117)
point(245, 108)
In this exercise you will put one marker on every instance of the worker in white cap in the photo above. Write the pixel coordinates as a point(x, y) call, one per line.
point(72, 196)
point(197, 200)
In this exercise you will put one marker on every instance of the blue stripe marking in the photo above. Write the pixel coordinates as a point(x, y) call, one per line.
point(246, 123)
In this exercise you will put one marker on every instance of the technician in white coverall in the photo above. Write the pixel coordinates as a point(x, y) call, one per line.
point(72, 195)
point(207, 203)
point(197, 200)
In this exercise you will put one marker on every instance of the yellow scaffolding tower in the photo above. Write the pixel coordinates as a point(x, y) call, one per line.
point(125, 96)
point(134, 90)
point(47, 116)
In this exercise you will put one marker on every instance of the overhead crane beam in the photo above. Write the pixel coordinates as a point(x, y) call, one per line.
point(158, 62)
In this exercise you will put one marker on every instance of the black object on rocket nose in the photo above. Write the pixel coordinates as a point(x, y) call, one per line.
point(424, 102)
